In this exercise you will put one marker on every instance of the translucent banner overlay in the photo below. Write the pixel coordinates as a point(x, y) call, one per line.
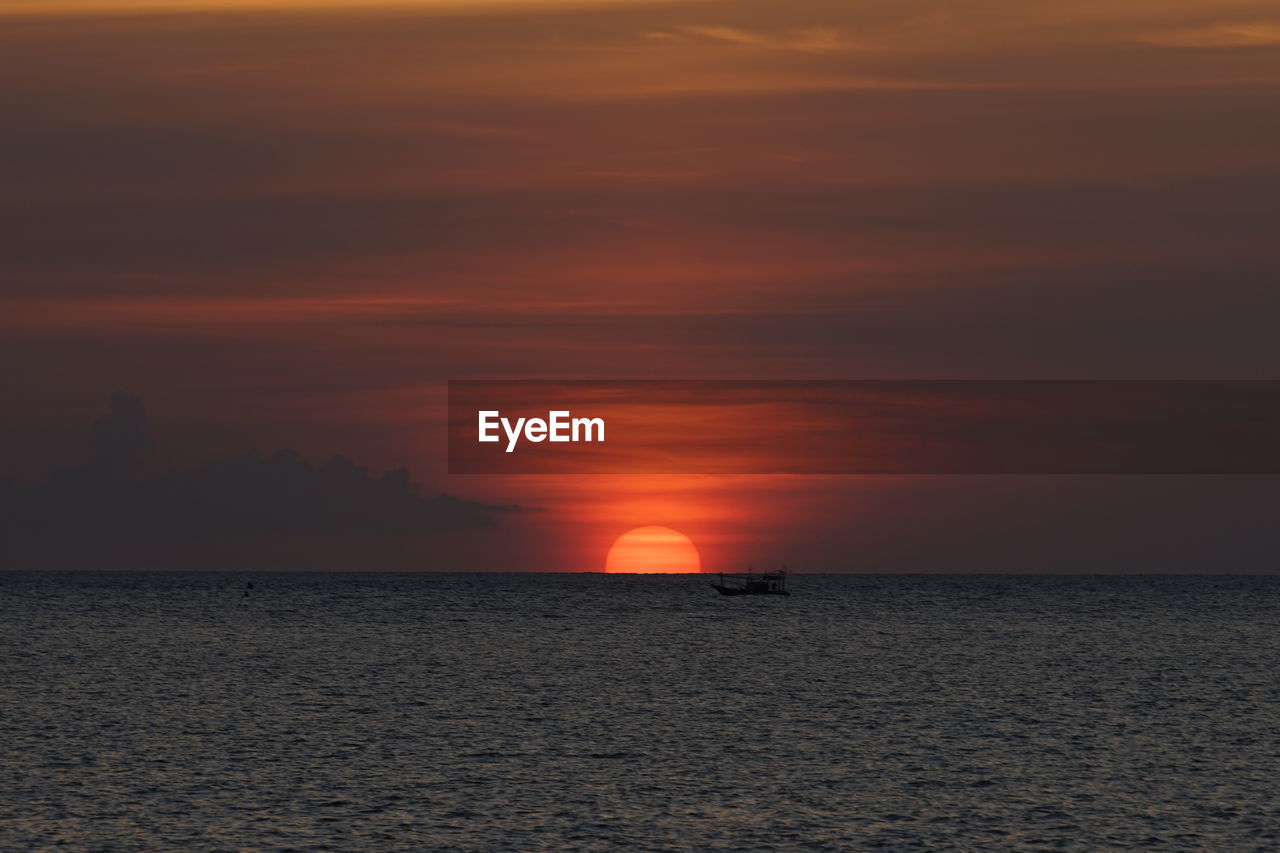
point(864, 427)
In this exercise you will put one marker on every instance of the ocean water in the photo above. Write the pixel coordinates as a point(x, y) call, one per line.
point(150, 712)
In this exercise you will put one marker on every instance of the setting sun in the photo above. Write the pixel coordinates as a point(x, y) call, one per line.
point(653, 550)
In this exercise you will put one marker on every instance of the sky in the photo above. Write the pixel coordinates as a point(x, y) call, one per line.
point(287, 224)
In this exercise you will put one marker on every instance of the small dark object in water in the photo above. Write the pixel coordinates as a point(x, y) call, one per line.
point(771, 583)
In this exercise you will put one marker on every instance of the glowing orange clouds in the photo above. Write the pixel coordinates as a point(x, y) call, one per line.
point(653, 550)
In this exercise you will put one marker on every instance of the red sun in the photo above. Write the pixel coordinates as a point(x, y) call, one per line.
point(653, 550)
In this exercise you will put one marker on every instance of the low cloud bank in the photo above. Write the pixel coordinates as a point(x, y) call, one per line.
point(251, 494)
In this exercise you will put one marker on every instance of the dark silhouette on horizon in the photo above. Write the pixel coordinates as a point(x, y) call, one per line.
point(251, 494)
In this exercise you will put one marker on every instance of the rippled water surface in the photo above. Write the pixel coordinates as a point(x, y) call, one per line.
point(592, 712)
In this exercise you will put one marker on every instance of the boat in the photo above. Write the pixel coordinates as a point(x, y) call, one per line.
point(770, 583)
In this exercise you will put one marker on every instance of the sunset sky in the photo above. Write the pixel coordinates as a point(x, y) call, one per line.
point(288, 224)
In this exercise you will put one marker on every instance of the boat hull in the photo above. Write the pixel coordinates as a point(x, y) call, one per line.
point(732, 590)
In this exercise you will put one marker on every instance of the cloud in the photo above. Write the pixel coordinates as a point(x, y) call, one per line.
point(440, 7)
point(805, 39)
point(1222, 34)
point(251, 494)
point(120, 438)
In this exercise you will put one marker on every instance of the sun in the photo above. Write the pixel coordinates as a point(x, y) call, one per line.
point(653, 550)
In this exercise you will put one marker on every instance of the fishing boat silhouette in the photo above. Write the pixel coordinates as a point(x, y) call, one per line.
point(770, 583)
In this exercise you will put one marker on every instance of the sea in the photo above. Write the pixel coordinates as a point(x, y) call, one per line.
point(592, 712)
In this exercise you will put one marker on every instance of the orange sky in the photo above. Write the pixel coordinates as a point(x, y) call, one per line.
point(288, 223)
